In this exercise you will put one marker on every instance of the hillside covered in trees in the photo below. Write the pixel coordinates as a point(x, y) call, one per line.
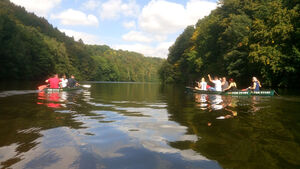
point(32, 49)
point(240, 39)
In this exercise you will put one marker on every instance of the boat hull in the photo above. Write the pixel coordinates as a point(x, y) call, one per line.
point(263, 93)
point(234, 93)
point(49, 90)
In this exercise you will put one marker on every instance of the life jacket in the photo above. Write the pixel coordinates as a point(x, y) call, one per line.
point(256, 86)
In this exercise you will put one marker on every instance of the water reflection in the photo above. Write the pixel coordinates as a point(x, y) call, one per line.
point(57, 99)
point(53, 100)
point(26, 129)
point(217, 102)
point(146, 126)
point(88, 130)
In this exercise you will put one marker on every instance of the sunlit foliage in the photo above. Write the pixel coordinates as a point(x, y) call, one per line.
point(240, 39)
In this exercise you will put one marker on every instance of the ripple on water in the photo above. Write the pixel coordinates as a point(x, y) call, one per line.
point(17, 92)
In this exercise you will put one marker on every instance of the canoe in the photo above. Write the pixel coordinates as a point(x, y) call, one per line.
point(237, 93)
point(49, 90)
point(234, 93)
point(263, 93)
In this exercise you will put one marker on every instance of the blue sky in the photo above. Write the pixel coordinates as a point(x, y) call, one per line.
point(149, 27)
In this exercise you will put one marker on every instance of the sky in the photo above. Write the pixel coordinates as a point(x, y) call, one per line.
point(149, 27)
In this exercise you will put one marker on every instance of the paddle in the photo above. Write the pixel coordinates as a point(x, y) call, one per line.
point(85, 86)
point(42, 87)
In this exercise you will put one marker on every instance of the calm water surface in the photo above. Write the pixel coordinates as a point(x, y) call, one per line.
point(146, 126)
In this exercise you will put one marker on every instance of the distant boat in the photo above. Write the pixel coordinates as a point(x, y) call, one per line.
point(234, 93)
point(50, 90)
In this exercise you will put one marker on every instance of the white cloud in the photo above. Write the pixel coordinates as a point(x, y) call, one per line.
point(136, 37)
point(161, 50)
point(39, 7)
point(112, 9)
point(91, 4)
point(86, 37)
point(196, 9)
point(130, 9)
point(74, 17)
point(163, 17)
point(129, 25)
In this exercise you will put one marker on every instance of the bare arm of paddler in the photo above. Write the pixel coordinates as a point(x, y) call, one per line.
point(253, 86)
point(210, 78)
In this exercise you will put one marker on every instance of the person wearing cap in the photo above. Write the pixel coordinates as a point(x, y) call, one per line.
point(232, 86)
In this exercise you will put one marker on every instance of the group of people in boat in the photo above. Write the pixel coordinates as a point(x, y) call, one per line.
point(55, 82)
point(222, 85)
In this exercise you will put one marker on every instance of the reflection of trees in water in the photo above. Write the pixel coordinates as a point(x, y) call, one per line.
point(259, 137)
point(23, 127)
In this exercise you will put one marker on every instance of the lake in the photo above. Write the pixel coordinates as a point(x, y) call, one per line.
point(147, 126)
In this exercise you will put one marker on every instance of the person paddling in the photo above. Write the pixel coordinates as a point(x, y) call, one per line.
point(217, 82)
point(54, 82)
point(256, 84)
point(232, 86)
point(224, 83)
point(64, 82)
point(201, 85)
point(72, 82)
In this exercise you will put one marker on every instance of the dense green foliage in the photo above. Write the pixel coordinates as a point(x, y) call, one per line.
point(31, 49)
point(240, 39)
point(122, 65)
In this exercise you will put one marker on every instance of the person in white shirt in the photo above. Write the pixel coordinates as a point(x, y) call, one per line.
point(217, 82)
point(201, 85)
point(64, 82)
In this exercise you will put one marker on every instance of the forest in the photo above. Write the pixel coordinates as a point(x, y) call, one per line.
point(32, 49)
point(240, 39)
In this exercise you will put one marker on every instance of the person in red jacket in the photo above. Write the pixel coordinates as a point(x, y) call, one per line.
point(54, 82)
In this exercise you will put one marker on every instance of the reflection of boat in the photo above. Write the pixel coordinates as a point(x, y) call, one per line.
point(51, 99)
point(234, 93)
point(49, 90)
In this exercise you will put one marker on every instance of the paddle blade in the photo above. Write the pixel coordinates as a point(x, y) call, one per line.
point(86, 86)
point(42, 87)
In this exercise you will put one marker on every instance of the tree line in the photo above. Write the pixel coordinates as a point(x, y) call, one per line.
point(32, 49)
point(240, 39)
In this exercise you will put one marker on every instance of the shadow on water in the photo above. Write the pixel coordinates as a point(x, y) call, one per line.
point(141, 125)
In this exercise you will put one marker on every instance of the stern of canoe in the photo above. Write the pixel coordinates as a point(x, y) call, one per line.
point(49, 90)
point(263, 93)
